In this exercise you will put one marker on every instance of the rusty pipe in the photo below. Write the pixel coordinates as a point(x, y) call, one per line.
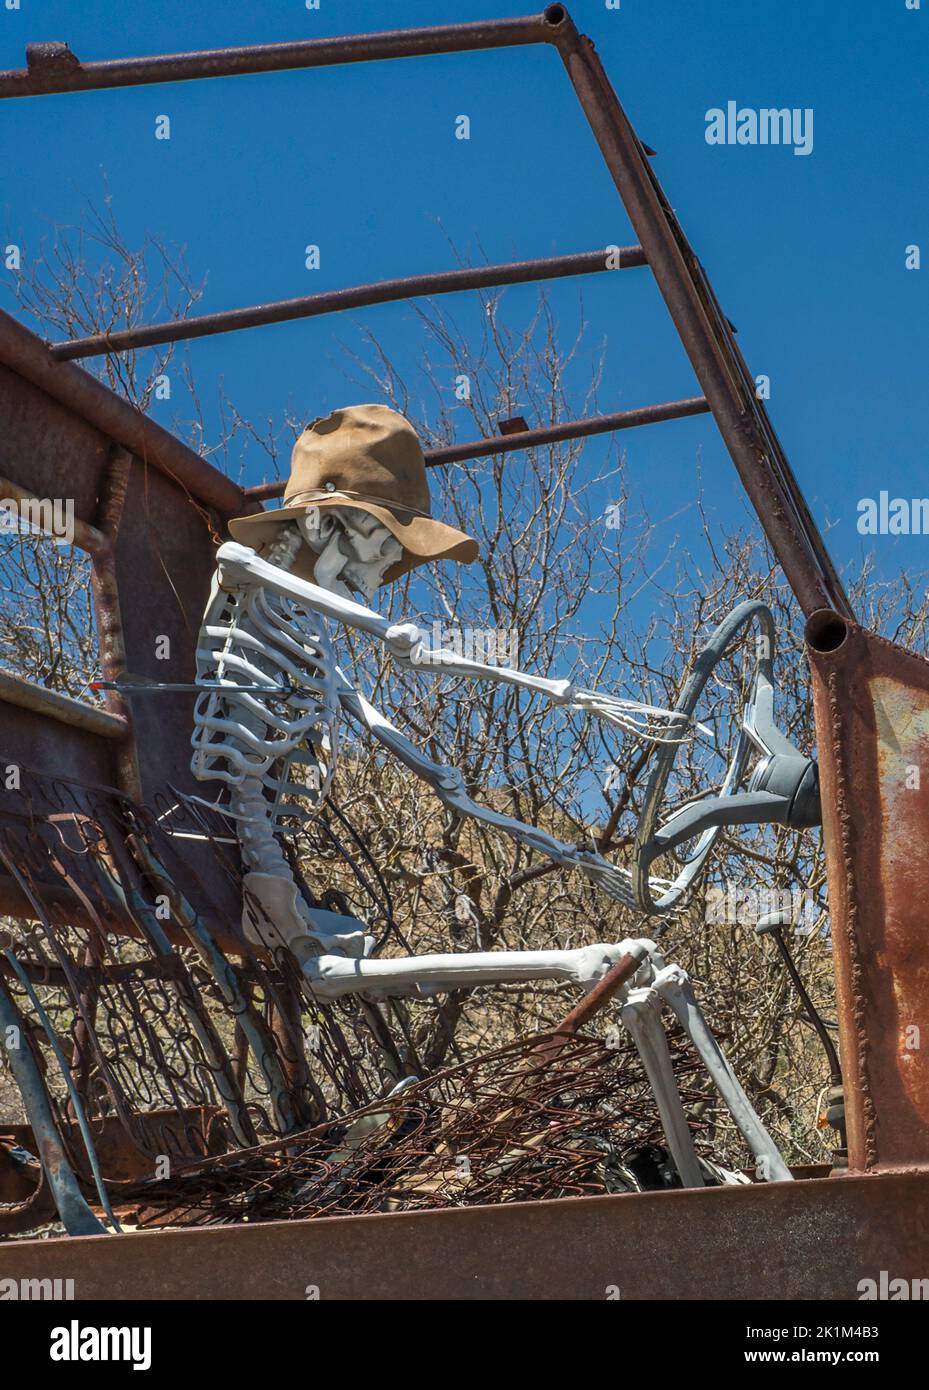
point(705, 333)
point(54, 68)
point(110, 632)
point(532, 439)
point(353, 297)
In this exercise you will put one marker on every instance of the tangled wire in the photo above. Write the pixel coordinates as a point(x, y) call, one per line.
point(519, 1124)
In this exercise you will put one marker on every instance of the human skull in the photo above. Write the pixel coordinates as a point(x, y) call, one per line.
point(354, 550)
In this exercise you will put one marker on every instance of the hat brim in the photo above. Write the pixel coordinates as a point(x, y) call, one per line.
point(422, 537)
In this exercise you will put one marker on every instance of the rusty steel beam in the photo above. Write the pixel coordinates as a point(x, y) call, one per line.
point(16, 690)
point(532, 439)
point(811, 1239)
point(705, 333)
point(110, 635)
point(27, 1068)
point(353, 297)
point(871, 700)
point(83, 394)
point(52, 67)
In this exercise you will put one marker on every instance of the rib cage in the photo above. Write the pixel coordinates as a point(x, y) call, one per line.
point(251, 741)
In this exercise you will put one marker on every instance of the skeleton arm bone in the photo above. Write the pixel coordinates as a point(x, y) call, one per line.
point(407, 643)
point(448, 784)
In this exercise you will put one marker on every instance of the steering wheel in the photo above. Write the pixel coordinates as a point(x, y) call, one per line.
point(783, 789)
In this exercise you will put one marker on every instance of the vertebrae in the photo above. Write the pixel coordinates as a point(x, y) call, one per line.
point(253, 741)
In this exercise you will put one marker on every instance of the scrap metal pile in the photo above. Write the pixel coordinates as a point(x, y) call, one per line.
point(519, 1124)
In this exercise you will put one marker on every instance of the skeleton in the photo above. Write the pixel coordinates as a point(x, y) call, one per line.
point(272, 700)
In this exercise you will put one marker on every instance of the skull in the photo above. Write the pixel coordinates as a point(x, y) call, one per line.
point(354, 550)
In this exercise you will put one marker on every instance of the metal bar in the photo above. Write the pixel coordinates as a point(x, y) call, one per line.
point(532, 439)
point(871, 700)
point(82, 393)
point(287, 1028)
point(76, 1215)
point(707, 337)
point(593, 1001)
point(353, 297)
point(240, 1039)
point(83, 535)
point(109, 616)
point(73, 1093)
point(130, 687)
point(15, 690)
point(54, 68)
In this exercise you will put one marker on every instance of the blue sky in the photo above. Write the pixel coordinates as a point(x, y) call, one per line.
point(806, 254)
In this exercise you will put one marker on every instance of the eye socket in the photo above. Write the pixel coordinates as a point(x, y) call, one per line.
point(319, 528)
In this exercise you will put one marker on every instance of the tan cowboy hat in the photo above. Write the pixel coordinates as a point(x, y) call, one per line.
point(369, 457)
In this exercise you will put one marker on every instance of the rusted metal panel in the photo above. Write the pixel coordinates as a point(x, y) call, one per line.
point(46, 449)
point(152, 539)
point(872, 720)
point(164, 560)
point(152, 542)
point(31, 740)
point(803, 1240)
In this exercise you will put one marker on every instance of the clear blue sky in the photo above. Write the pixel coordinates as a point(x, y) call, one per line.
point(806, 254)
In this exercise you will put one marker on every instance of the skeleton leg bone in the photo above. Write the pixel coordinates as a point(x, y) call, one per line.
point(672, 983)
point(333, 976)
point(275, 914)
point(640, 1016)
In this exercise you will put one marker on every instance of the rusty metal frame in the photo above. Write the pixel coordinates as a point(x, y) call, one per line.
point(706, 334)
point(704, 331)
point(872, 710)
point(357, 297)
point(66, 434)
